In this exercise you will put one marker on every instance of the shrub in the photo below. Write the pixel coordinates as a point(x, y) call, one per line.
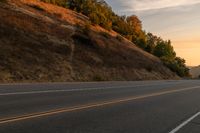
point(84, 29)
point(105, 34)
point(98, 78)
point(149, 68)
point(80, 38)
point(37, 7)
point(177, 65)
point(119, 38)
point(59, 15)
point(164, 49)
point(82, 35)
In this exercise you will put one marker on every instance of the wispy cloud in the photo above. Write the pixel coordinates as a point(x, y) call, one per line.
point(142, 5)
point(157, 4)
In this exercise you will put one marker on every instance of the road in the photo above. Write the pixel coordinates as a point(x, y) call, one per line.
point(104, 107)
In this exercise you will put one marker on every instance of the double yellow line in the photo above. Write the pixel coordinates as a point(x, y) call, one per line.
point(88, 106)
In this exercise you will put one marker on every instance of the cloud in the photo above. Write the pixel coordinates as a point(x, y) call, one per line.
point(157, 4)
point(144, 5)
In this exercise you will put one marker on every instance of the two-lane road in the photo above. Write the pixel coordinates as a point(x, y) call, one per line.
point(107, 107)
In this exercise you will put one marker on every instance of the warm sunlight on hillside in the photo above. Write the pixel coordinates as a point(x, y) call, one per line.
point(60, 44)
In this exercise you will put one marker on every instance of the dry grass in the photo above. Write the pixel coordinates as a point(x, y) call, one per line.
point(46, 45)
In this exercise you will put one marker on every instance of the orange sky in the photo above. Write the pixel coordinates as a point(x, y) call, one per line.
point(186, 42)
point(190, 51)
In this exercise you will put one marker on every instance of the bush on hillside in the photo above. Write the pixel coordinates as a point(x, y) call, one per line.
point(105, 34)
point(37, 7)
point(177, 65)
point(82, 35)
point(119, 38)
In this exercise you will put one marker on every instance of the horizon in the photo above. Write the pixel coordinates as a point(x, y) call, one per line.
point(177, 21)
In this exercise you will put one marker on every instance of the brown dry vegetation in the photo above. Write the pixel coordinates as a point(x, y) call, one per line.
point(41, 43)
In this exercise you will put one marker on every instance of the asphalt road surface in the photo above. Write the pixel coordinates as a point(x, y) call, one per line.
point(104, 107)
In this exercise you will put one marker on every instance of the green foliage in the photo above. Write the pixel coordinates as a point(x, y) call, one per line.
point(120, 25)
point(164, 49)
point(152, 41)
point(177, 65)
point(131, 28)
point(98, 12)
point(140, 40)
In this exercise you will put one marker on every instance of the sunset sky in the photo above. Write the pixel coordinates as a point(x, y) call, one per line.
point(177, 20)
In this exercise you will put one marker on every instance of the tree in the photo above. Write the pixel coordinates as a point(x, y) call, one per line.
point(135, 23)
point(164, 49)
point(138, 35)
point(152, 41)
point(140, 40)
point(177, 65)
point(120, 25)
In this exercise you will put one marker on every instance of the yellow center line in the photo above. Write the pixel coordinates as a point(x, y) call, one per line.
point(87, 106)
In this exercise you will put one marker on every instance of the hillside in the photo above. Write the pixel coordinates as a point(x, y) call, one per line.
point(41, 42)
point(195, 71)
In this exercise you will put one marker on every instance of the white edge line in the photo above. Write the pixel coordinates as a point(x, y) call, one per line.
point(70, 90)
point(184, 123)
point(75, 90)
point(92, 82)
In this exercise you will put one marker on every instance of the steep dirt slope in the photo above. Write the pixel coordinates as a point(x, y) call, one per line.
point(41, 42)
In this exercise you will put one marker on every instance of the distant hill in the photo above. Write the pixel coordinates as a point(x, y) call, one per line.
point(41, 42)
point(195, 71)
